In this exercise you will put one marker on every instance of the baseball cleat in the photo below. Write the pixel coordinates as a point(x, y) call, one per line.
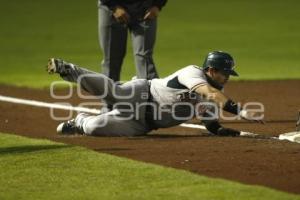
point(67, 128)
point(58, 66)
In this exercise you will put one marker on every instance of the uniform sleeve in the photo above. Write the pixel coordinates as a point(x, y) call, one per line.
point(159, 3)
point(191, 76)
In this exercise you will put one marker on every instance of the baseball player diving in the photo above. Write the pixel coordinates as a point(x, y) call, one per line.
point(141, 105)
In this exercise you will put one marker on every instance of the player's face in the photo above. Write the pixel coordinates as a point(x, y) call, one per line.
point(220, 77)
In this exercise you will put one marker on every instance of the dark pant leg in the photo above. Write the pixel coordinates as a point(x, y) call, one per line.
point(112, 38)
point(143, 36)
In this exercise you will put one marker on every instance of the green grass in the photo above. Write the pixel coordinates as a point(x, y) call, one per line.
point(264, 37)
point(40, 169)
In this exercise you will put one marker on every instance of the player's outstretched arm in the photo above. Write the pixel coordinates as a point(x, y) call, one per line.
point(214, 127)
point(212, 94)
point(222, 101)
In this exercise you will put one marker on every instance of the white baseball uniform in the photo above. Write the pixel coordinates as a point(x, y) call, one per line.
point(171, 101)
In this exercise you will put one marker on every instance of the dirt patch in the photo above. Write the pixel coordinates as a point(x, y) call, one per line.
point(265, 162)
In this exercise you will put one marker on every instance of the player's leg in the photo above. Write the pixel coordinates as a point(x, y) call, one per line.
point(98, 84)
point(129, 117)
point(107, 124)
point(112, 38)
point(94, 83)
point(143, 37)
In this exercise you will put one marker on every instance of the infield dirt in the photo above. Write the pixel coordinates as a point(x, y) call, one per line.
point(265, 162)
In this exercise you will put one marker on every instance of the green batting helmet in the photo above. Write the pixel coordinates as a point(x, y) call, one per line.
point(221, 61)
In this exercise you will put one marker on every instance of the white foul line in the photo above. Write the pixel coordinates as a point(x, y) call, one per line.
point(196, 126)
point(48, 105)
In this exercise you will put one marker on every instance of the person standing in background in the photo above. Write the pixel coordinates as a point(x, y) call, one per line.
point(116, 19)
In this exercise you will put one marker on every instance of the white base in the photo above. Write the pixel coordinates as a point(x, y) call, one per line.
point(291, 136)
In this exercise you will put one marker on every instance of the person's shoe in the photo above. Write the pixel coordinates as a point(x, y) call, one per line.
point(58, 66)
point(67, 128)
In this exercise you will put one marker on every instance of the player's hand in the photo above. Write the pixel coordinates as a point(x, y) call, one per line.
point(152, 13)
point(121, 15)
point(252, 116)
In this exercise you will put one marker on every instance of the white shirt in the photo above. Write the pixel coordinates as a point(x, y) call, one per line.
point(170, 89)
